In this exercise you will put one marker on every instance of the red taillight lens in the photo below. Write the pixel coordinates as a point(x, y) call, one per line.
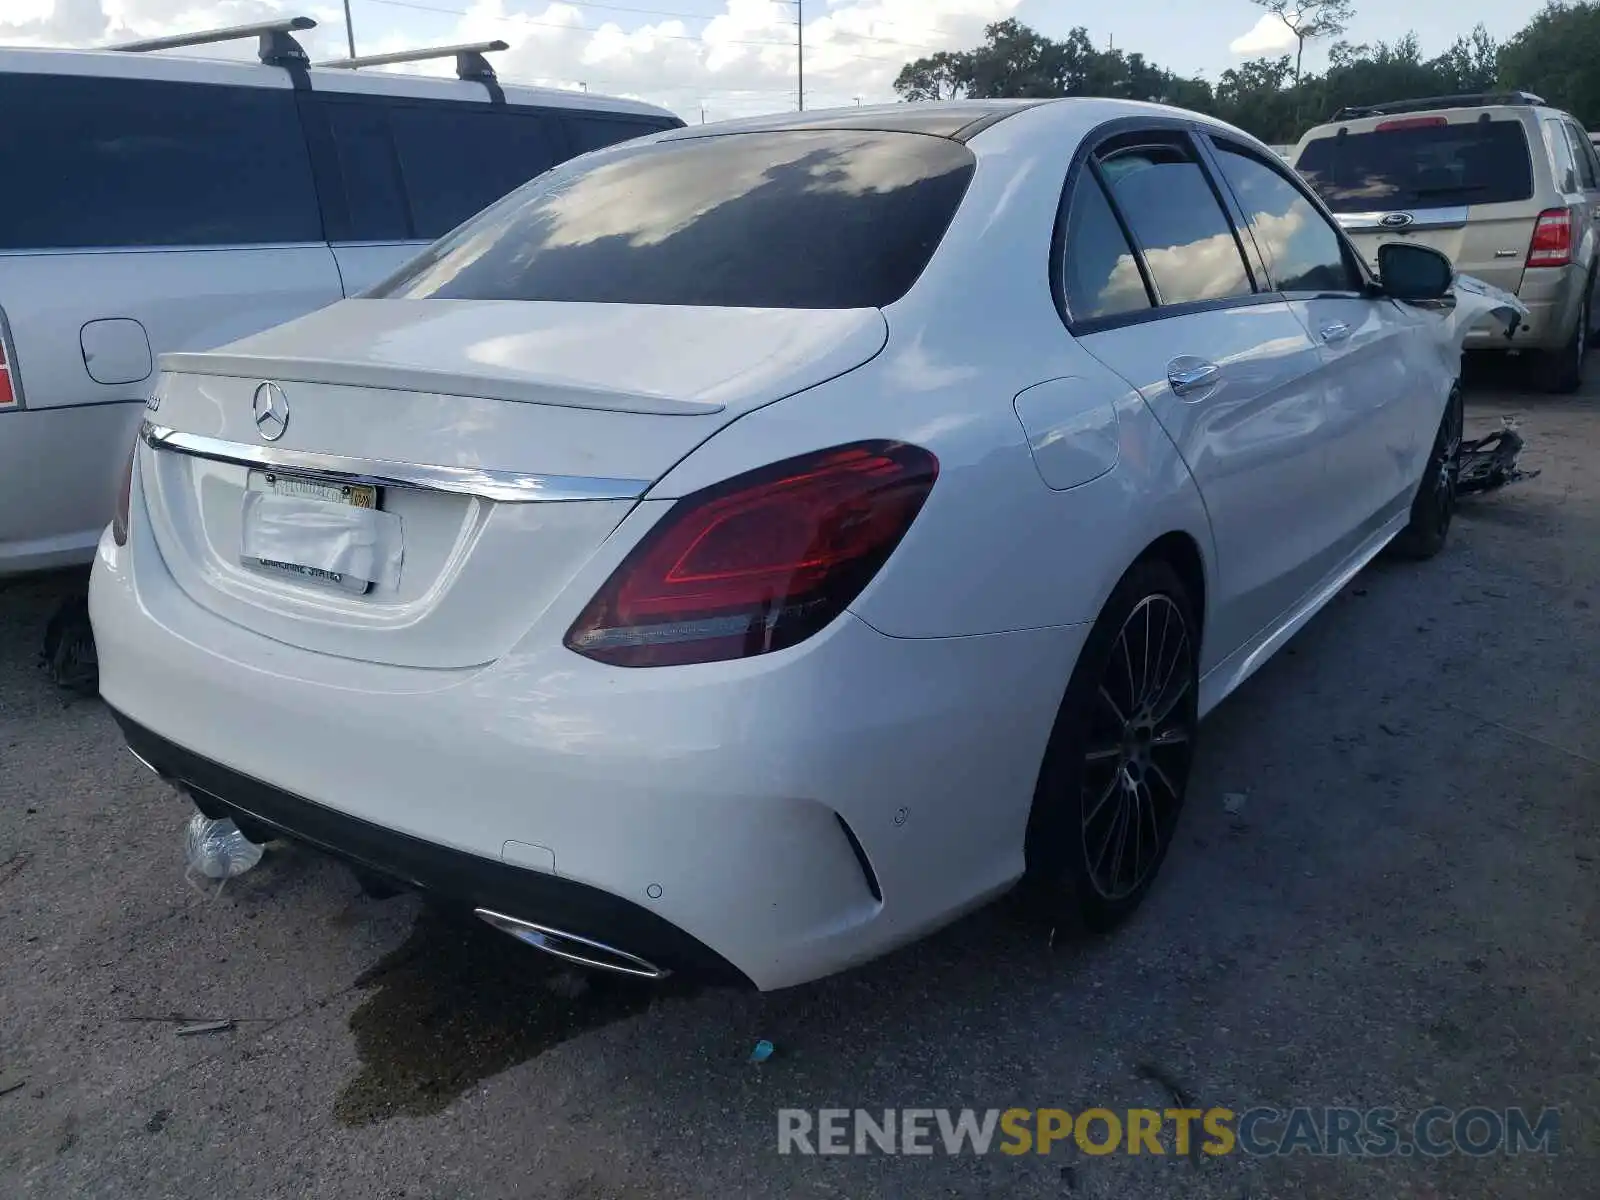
point(1552, 239)
point(8, 393)
point(758, 563)
point(119, 520)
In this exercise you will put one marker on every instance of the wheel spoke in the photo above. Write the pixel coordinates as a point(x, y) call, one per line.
point(1102, 755)
point(1122, 838)
point(1111, 833)
point(1172, 702)
point(1144, 674)
point(1170, 739)
point(1116, 711)
point(1127, 659)
point(1166, 782)
point(1161, 650)
point(1099, 805)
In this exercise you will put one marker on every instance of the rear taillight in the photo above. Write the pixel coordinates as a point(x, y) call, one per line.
point(758, 563)
point(119, 519)
point(1552, 239)
point(8, 391)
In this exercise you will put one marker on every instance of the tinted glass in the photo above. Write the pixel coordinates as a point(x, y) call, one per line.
point(133, 162)
point(1303, 252)
point(596, 133)
point(369, 172)
point(1103, 279)
point(776, 220)
point(1187, 241)
point(457, 161)
point(1564, 167)
point(1421, 166)
point(1583, 154)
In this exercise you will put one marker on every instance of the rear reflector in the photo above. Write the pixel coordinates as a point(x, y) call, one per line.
point(759, 563)
point(119, 519)
point(1552, 239)
point(1409, 123)
point(8, 394)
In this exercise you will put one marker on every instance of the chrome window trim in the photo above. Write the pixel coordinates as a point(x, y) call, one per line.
point(503, 487)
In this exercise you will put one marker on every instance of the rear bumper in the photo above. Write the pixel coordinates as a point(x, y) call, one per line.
point(1553, 296)
point(468, 880)
point(788, 816)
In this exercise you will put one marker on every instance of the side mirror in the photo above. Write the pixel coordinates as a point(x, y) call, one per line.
point(1412, 272)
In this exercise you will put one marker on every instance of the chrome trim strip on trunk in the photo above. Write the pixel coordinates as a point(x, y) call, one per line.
point(503, 487)
point(1424, 218)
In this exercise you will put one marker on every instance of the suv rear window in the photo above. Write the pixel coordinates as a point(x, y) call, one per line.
point(1421, 166)
point(804, 219)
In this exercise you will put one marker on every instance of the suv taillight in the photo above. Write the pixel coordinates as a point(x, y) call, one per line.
point(119, 519)
point(8, 392)
point(1552, 239)
point(760, 562)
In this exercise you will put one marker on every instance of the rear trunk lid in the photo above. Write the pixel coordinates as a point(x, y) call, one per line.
point(1460, 181)
point(412, 482)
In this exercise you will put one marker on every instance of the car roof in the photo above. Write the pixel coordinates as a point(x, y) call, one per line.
point(193, 68)
point(957, 119)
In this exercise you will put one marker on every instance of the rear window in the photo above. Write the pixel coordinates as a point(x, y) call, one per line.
point(138, 162)
point(1421, 166)
point(809, 219)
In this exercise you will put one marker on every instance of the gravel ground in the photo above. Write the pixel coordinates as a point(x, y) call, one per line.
point(1402, 911)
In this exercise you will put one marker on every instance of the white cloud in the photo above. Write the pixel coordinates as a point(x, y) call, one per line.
point(740, 62)
point(1269, 34)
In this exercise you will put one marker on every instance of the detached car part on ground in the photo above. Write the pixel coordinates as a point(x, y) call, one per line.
point(680, 605)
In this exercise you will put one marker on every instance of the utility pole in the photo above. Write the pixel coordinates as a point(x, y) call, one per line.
point(702, 114)
point(801, 5)
point(349, 29)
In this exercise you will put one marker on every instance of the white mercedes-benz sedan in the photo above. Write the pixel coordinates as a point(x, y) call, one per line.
point(744, 550)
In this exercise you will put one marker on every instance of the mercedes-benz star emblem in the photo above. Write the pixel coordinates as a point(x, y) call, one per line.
point(271, 408)
point(1396, 220)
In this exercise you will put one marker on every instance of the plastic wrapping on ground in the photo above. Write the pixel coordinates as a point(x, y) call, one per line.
point(216, 849)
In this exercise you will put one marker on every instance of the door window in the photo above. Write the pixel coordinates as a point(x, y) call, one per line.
point(1304, 252)
point(456, 161)
point(1187, 241)
point(1102, 275)
point(1583, 153)
point(140, 162)
point(369, 173)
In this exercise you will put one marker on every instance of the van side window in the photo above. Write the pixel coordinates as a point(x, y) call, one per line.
point(139, 162)
point(458, 160)
point(586, 132)
point(369, 173)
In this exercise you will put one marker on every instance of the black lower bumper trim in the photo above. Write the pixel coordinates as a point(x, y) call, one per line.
point(453, 876)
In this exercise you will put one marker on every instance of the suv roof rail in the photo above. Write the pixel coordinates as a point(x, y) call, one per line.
point(1473, 100)
point(277, 49)
point(471, 64)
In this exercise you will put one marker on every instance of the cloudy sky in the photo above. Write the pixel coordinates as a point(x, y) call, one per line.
point(737, 57)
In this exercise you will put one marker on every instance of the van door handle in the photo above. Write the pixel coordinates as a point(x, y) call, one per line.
point(1190, 375)
point(1337, 332)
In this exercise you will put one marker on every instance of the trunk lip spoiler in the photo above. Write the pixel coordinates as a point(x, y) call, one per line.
point(503, 487)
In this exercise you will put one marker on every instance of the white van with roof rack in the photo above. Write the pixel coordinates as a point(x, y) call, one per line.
point(156, 203)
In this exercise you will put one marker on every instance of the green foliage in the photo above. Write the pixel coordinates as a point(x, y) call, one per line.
point(1557, 55)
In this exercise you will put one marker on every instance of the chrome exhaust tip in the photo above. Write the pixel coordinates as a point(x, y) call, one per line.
point(574, 949)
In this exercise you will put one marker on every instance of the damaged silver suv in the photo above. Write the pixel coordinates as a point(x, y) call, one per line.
point(1504, 184)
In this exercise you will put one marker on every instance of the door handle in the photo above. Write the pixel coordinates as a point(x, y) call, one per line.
point(1337, 332)
point(1190, 375)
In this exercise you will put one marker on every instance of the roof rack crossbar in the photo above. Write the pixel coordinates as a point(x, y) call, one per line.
point(1474, 100)
point(470, 62)
point(277, 49)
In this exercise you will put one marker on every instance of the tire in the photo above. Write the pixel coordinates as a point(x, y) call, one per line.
point(1561, 371)
point(1116, 769)
point(1434, 507)
point(69, 654)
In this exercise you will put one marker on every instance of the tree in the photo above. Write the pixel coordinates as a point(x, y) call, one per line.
point(1556, 56)
point(942, 76)
point(1472, 64)
point(1308, 19)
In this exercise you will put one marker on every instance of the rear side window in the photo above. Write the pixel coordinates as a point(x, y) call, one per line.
point(1420, 166)
point(458, 161)
point(586, 133)
point(1302, 249)
point(1102, 276)
point(1188, 243)
point(1582, 155)
point(135, 162)
point(807, 219)
point(369, 173)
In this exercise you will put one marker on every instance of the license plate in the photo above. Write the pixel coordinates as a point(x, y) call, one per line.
point(352, 495)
